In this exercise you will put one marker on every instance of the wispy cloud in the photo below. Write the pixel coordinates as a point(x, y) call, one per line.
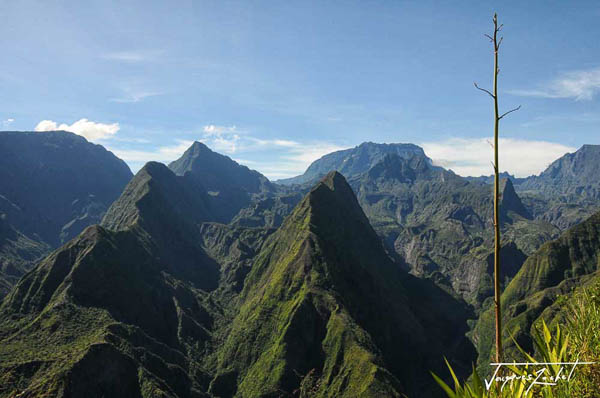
point(578, 85)
point(473, 156)
point(7, 122)
point(92, 131)
point(132, 95)
point(221, 138)
point(132, 56)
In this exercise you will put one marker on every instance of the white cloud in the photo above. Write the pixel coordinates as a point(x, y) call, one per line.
point(221, 138)
point(283, 157)
point(164, 154)
point(275, 158)
point(579, 85)
point(7, 122)
point(473, 156)
point(92, 131)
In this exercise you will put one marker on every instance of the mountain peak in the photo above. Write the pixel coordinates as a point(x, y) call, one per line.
point(198, 148)
point(335, 181)
point(218, 172)
point(509, 200)
point(354, 161)
point(573, 175)
point(334, 206)
point(336, 187)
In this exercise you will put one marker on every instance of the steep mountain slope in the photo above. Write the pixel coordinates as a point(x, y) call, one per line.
point(324, 311)
point(435, 221)
point(100, 317)
point(352, 161)
point(440, 223)
point(17, 252)
point(231, 186)
point(551, 271)
point(148, 305)
point(124, 311)
point(574, 175)
point(53, 185)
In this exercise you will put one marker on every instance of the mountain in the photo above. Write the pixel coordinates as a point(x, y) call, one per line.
point(352, 161)
point(53, 185)
point(159, 302)
point(326, 312)
point(125, 309)
point(573, 175)
point(552, 271)
point(167, 210)
point(439, 223)
point(490, 179)
point(230, 186)
point(101, 317)
point(436, 223)
point(17, 253)
point(566, 193)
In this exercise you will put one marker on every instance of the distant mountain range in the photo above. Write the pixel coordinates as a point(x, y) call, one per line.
point(205, 279)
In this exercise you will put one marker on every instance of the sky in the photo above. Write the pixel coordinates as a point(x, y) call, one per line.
point(275, 85)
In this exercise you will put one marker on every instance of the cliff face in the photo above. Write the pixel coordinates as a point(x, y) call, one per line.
point(53, 185)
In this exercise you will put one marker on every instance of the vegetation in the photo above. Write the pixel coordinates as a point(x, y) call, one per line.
point(576, 339)
point(296, 296)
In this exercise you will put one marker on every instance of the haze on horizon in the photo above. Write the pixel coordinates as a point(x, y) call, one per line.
point(277, 86)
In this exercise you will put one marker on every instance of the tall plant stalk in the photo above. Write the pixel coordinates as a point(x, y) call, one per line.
point(497, 117)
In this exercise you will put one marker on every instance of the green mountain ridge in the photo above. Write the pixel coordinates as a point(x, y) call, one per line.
point(552, 271)
point(206, 280)
point(110, 314)
point(325, 267)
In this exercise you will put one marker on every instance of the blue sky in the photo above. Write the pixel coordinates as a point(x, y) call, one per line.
point(277, 84)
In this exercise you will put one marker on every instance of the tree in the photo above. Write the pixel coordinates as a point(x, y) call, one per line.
point(497, 117)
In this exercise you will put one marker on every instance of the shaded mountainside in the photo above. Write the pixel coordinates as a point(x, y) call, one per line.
point(55, 180)
point(17, 253)
point(53, 185)
point(554, 270)
point(99, 317)
point(352, 161)
point(230, 186)
point(115, 313)
point(126, 311)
